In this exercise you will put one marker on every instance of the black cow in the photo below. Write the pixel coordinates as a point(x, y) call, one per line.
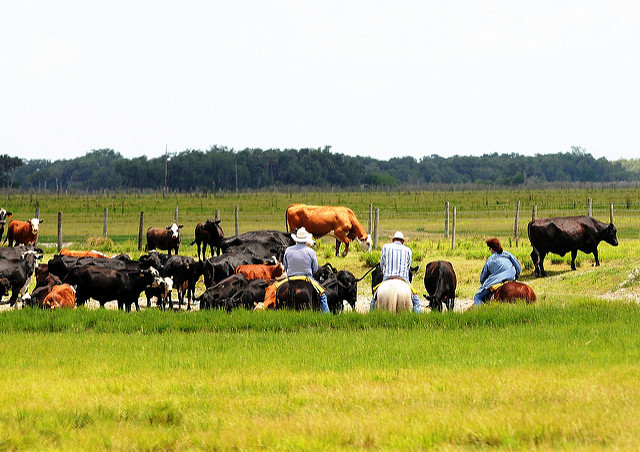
point(248, 296)
point(377, 275)
point(18, 273)
point(208, 233)
point(3, 220)
point(338, 287)
point(220, 267)
point(216, 296)
point(560, 235)
point(105, 284)
point(181, 269)
point(164, 239)
point(263, 244)
point(18, 251)
point(441, 282)
point(61, 265)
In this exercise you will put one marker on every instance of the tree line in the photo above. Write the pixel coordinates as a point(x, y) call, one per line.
point(221, 168)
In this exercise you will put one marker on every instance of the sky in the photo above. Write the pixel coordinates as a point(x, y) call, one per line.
point(375, 78)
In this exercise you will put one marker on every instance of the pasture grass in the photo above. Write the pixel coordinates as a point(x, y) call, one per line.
point(522, 377)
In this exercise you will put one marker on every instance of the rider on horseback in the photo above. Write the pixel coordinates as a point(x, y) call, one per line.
point(395, 260)
point(501, 266)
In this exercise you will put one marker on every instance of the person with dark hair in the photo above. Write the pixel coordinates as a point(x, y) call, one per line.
point(501, 266)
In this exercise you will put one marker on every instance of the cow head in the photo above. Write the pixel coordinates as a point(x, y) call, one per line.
point(3, 216)
point(35, 223)
point(214, 229)
point(609, 235)
point(365, 243)
point(174, 229)
point(348, 287)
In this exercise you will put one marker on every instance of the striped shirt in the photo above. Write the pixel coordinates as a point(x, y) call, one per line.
point(395, 260)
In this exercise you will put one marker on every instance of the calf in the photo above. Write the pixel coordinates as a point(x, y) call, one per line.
point(3, 219)
point(261, 271)
point(162, 292)
point(23, 232)
point(441, 282)
point(18, 272)
point(181, 269)
point(164, 239)
point(208, 233)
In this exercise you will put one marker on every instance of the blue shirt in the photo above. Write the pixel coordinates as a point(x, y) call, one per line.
point(395, 260)
point(499, 267)
point(299, 259)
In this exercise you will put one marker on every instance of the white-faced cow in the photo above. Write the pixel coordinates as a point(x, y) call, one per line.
point(23, 232)
point(563, 234)
point(164, 239)
point(337, 221)
point(3, 219)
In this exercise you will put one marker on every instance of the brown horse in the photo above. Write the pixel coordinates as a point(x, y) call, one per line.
point(511, 291)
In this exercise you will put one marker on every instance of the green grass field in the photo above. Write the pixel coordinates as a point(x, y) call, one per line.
point(561, 374)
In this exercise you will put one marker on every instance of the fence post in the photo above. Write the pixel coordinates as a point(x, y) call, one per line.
point(446, 219)
point(237, 225)
point(104, 224)
point(534, 212)
point(375, 228)
point(175, 215)
point(141, 231)
point(453, 230)
point(59, 231)
point(515, 226)
point(589, 207)
point(370, 218)
point(611, 213)
point(217, 215)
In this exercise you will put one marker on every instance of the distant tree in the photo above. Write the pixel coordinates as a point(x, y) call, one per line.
point(7, 166)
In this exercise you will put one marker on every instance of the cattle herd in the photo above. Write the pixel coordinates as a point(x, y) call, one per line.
point(243, 268)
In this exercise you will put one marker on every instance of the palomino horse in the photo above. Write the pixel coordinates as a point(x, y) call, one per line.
point(511, 291)
point(394, 295)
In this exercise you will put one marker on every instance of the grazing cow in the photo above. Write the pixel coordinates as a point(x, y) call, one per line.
point(261, 271)
point(394, 295)
point(23, 232)
point(560, 235)
point(105, 284)
point(338, 287)
point(92, 253)
point(441, 282)
point(221, 267)
point(164, 239)
point(511, 291)
point(208, 233)
point(337, 221)
point(263, 244)
point(216, 296)
point(3, 219)
point(248, 296)
point(18, 272)
point(377, 275)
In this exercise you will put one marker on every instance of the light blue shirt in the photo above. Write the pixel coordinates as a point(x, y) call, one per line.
point(498, 268)
point(299, 259)
point(395, 260)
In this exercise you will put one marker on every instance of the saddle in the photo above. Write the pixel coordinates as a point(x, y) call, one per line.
point(413, 290)
point(270, 292)
point(494, 288)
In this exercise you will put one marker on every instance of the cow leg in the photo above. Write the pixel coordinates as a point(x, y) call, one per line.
point(595, 255)
point(535, 257)
point(337, 247)
point(341, 237)
point(541, 265)
point(574, 254)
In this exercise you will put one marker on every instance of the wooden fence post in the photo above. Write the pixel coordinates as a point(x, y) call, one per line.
point(217, 215)
point(515, 226)
point(446, 219)
point(375, 228)
point(175, 215)
point(589, 207)
point(534, 212)
point(104, 224)
point(611, 213)
point(59, 231)
point(141, 231)
point(237, 224)
point(453, 230)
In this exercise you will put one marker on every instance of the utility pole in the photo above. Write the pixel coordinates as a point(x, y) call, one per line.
point(166, 160)
point(236, 177)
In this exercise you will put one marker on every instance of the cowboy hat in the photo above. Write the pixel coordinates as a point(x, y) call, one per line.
point(398, 236)
point(301, 235)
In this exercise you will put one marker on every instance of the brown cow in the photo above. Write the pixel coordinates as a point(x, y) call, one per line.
point(92, 253)
point(261, 271)
point(23, 232)
point(337, 221)
point(164, 239)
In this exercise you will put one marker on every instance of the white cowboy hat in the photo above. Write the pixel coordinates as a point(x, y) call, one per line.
point(398, 236)
point(301, 235)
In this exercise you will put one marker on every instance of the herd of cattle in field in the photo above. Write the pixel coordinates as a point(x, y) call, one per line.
point(242, 268)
